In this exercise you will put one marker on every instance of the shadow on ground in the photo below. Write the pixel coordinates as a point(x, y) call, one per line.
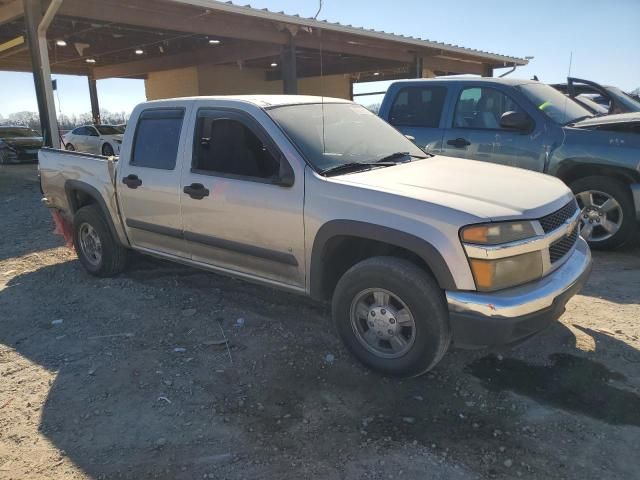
point(145, 387)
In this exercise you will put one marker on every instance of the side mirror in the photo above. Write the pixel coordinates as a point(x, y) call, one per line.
point(516, 121)
point(286, 178)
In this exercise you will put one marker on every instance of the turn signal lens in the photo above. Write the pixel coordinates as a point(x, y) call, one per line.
point(506, 272)
point(497, 233)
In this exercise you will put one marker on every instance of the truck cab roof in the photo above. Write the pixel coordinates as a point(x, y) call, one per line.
point(261, 101)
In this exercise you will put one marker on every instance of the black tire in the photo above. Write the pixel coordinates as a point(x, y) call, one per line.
point(421, 295)
point(70, 147)
point(113, 255)
point(621, 193)
point(107, 150)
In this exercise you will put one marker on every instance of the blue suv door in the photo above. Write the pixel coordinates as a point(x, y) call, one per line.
point(474, 129)
point(416, 110)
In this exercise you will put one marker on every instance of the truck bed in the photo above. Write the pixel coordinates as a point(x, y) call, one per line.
point(61, 170)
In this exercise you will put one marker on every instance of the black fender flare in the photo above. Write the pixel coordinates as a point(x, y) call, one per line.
point(71, 186)
point(334, 228)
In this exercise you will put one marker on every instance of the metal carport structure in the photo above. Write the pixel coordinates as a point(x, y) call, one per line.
point(204, 42)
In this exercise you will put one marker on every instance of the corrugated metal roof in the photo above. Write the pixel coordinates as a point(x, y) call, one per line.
point(267, 14)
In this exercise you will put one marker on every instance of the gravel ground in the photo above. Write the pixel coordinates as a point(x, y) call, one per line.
point(130, 378)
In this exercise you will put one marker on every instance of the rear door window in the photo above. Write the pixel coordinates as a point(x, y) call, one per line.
point(157, 138)
point(418, 106)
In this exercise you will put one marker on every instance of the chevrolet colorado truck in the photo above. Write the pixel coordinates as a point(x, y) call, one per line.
point(323, 198)
point(527, 124)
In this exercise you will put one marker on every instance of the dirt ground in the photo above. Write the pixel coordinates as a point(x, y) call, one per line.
point(130, 378)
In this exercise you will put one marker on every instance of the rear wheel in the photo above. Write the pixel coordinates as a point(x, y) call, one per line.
point(98, 251)
point(607, 216)
point(70, 147)
point(392, 316)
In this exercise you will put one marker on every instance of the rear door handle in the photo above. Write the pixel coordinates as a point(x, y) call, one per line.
point(197, 191)
point(459, 142)
point(132, 181)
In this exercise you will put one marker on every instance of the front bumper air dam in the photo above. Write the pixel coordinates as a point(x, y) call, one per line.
point(507, 316)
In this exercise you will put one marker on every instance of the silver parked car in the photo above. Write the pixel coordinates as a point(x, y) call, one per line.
point(323, 198)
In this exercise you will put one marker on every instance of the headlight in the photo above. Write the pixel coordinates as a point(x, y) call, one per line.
point(497, 233)
point(506, 272)
point(492, 264)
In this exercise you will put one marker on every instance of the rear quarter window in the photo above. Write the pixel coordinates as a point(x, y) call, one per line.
point(157, 138)
point(418, 106)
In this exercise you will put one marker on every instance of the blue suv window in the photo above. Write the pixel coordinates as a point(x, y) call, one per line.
point(482, 108)
point(418, 106)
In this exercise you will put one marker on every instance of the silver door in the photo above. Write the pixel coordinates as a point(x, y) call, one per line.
point(242, 209)
point(150, 183)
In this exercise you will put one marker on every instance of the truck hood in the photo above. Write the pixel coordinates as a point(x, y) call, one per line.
point(485, 190)
point(617, 119)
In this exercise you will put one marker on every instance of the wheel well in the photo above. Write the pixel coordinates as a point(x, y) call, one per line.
point(343, 252)
point(79, 199)
point(574, 171)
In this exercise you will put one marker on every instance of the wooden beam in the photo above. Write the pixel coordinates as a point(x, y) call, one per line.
point(173, 17)
point(453, 66)
point(335, 45)
point(93, 98)
point(16, 42)
point(11, 11)
point(207, 56)
point(289, 68)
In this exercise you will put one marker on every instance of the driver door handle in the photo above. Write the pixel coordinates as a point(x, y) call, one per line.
point(132, 181)
point(197, 191)
point(459, 142)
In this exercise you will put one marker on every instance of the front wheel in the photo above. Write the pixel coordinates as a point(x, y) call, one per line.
point(607, 216)
point(392, 316)
point(69, 147)
point(98, 251)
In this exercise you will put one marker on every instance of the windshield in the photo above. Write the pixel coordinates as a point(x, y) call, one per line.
point(630, 103)
point(108, 130)
point(17, 132)
point(555, 105)
point(349, 134)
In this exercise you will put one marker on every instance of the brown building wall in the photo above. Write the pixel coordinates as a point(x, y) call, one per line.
point(181, 82)
point(232, 80)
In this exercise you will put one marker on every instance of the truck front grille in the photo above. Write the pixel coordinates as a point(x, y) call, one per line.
point(561, 247)
point(557, 218)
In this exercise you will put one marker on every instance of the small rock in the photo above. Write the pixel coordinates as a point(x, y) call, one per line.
point(161, 442)
point(508, 463)
point(329, 358)
point(189, 312)
point(91, 372)
point(179, 349)
point(57, 321)
point(410, 420)
point(239, 323)
point(418, 397)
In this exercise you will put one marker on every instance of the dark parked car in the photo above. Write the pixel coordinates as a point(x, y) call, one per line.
point(528, 124)
point(19, 144)
point(586, 92)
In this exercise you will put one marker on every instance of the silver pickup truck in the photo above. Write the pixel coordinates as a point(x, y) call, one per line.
point(322, 198)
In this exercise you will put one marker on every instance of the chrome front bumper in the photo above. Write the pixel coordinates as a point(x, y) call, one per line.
point(496, 318)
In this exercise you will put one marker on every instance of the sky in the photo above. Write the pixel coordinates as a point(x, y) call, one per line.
point(602, 38)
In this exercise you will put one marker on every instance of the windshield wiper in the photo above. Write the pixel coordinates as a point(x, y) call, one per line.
point(398, 155)
point(355, 166)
